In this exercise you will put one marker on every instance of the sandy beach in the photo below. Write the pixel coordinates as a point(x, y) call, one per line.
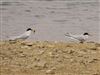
point(48, 51)
point(49, 58)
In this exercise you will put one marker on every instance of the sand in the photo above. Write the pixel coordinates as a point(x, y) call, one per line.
point(49, 58)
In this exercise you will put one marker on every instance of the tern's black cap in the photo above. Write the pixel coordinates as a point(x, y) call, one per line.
point(85, 34)
point(28, 29)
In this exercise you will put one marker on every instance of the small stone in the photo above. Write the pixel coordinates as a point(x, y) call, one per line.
point(72, 60)
point(25, 47)
point(50, 54)
point(27, 43)
point(50, 71)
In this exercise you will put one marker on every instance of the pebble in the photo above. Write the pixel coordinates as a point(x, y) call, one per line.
point(51, 71)
point(27, 43)
point(25, 47)
point(72, 60)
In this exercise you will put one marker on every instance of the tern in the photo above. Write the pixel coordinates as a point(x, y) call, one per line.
point(82, 38)
point(23, 36)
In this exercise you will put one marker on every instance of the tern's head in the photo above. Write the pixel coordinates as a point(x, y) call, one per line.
point(86, 34)
point(29, 29)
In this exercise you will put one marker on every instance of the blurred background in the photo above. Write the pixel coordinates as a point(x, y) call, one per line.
point(50, 18)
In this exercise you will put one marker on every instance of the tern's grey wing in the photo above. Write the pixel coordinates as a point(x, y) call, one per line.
point(68, 35)
point(79, 37)
point(23, 36)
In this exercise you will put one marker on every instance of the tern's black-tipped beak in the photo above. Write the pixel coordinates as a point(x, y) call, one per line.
point(29, 29)
point(34, 31)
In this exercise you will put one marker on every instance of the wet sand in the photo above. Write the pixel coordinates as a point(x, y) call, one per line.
point(49, 58)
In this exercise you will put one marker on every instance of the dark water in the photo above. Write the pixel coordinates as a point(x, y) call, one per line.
point(51, 19)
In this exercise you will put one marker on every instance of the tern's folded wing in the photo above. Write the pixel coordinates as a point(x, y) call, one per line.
point(23, 36)
point(79, 37)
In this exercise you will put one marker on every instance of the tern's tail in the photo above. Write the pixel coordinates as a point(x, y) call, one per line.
point(67, 34)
